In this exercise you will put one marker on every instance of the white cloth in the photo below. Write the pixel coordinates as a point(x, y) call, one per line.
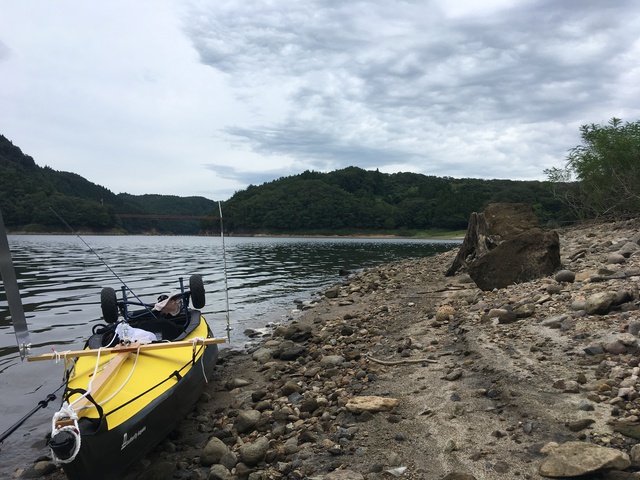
point(128, 333)
point(171, 305)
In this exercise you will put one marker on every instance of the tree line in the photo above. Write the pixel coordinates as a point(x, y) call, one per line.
point(32, 198)
point(600, 179)
point(354, 199)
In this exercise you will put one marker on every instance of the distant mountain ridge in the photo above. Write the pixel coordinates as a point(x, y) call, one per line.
point(28, 192)
point(347, 201)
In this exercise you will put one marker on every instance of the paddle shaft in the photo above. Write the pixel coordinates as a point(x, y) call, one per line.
point(134, 347)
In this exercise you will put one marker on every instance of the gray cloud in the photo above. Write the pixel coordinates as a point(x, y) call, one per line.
point(241, 92)
point(377, 83)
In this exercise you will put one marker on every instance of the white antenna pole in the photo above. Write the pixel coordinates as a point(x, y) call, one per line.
point(224, 266)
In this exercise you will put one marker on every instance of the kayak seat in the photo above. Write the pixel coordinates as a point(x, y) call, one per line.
point(162, 328)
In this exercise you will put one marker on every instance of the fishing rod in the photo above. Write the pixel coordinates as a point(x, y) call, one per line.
point(224, 267)
point(41, 404)
point(103, 262)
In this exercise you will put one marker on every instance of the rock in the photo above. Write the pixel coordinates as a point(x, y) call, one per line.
point(634, 328)
point(454, 375)
point(615, 259)
point(293, 353)
point(213, 452)
point(615, 347)
point(253, 453)
point(572, 459)
point(290, 387)
point(262, 354)
point(332, 292)
point(247, 420)
point(577, 425)
point(445, 313)
point(565, 276)
point(229, 460)
point(553, 322)
point(371, 404)
point(331, 360)
point(218, 472)
point(599, 303)
point(237, 383)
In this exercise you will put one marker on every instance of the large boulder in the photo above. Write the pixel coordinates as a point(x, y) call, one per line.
point(504, 245)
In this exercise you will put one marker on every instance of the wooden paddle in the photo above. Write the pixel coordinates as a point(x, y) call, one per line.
point(126, 349)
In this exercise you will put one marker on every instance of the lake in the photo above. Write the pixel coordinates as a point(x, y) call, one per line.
point(60, 280)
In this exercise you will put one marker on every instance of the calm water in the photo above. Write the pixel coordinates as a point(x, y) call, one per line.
point(60, 281)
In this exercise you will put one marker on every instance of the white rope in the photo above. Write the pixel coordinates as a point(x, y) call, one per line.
point(66, 413)
point(95, 373)
point(135, 362)
point(195, 343)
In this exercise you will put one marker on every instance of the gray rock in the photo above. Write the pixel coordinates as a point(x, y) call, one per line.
point(634, 328)
point(332, 292)
point(594, 350)
point(553, 322)
point(572, 459)
point(213, 451)
point(614, 259)
point(253, 453)
point(454, 375)
point(218, 472)
point(615, 347)
point(237, 383)
point(331, 360)
point(247, 420)
point(262, 354)
point(292, 353)
point(577, 425)
point(291, 387)
point(229, 459)
point(628, 249)
point(565, 276)
point(599, 303)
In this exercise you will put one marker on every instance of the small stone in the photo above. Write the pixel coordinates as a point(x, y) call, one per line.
point(565, 276)
point(253, 453)
point(577, 425)
point(454, 375)
point(247, 420)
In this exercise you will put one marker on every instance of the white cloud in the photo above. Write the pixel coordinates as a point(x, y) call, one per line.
point(223, 94)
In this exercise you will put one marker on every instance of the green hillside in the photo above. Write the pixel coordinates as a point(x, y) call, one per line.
point(354, 200)
point(28, 193)
point(347, 201)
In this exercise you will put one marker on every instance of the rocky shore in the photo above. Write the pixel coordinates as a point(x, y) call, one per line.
point(401, 372)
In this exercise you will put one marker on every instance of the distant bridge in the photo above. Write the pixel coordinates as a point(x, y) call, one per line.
point(169, 217)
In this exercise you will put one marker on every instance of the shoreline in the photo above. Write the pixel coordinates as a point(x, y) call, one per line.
point(462, 392)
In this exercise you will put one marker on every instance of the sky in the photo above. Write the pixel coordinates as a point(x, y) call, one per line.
point(205, 97)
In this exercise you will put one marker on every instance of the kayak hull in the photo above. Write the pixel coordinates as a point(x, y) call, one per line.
point(107, 451)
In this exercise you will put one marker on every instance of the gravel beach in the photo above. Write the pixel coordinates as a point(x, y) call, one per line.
point(401, 372)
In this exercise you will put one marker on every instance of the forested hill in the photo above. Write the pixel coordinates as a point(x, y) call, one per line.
point(351, 200)
point(28, 193)
point(356, 199)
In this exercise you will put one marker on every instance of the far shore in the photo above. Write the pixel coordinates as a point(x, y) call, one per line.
point(452, 236)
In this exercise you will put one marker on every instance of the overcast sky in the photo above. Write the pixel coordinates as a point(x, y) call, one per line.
point(206, 97)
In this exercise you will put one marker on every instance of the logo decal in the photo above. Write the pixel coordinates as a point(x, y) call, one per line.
point(126, 440)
